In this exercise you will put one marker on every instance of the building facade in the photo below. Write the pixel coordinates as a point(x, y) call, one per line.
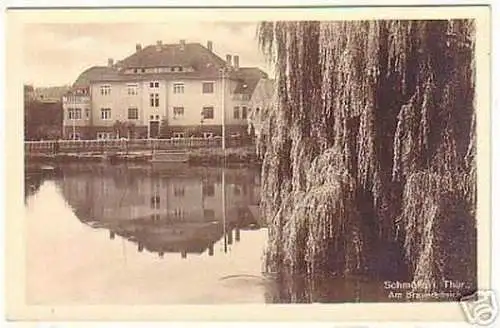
point(162, 90)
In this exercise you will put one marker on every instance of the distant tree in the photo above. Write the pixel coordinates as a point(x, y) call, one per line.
point(28, 92)
point(41, 120)
point(48, 132)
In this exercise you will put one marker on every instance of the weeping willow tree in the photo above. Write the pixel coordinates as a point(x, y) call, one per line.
point(369, 148)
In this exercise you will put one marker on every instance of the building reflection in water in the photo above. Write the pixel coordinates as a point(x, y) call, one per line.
point(165, 210)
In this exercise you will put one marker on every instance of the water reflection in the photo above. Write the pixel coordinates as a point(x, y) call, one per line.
point(33, 178)
point(100, 234)
point(165, 210)
point(158, 235)
point(288, 288)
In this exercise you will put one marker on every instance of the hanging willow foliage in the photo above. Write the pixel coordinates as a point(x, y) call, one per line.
point(371, 137)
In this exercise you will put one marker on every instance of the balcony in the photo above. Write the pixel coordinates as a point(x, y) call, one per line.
point(70, 100)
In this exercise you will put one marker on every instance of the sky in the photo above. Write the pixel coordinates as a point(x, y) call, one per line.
point(55, 54)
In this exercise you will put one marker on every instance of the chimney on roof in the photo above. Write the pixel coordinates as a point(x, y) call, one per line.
point(228, 60)
point(236, 62)
point(138, 47)
point(110, 62)
point(210, 46)
point(183, 44)
point(158, 45)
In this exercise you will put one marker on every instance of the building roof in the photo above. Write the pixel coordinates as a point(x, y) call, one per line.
point(121, 77)
point(249, 73)
point(248, 78)
point(188, 55)
point(95, 73)
point(194, 237)
point(205, 63)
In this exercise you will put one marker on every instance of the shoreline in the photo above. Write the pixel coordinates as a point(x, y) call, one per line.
point(202, 156)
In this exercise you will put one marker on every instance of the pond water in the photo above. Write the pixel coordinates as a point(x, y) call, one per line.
point(142, 234)
point(136, 234)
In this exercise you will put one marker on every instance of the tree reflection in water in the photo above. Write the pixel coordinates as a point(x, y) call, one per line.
point(288, 288)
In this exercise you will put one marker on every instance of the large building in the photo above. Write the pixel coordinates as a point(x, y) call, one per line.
point(162, 90)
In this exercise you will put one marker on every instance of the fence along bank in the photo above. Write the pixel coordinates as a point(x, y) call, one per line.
point(197, 150)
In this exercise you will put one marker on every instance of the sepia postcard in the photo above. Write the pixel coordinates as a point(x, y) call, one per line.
point(327, 164)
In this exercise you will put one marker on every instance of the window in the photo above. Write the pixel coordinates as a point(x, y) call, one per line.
point(155, 202)
point(178, 87)
point(135, 70)
point(157, 117)
point(208, 87)
point(179, 191)
point(178, 112)
point(209, 215)
point(208, 112)
point(154, 84)
point(74, 113)
point(154, 100)
point(151, 117)
point(105, 113)
point(75, 136)
point(208, 189)
point(105, 90)
point(178, 134)
point(179, 213)
point(133, 113)
point(236, 113)
point(208, 135)
point(87, 113)
point(143, 70)
point(104, 135)
point(132, 89)
point(244, 112)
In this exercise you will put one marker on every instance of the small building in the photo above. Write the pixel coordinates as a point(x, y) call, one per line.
point(77, 123)
point(162, 90)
